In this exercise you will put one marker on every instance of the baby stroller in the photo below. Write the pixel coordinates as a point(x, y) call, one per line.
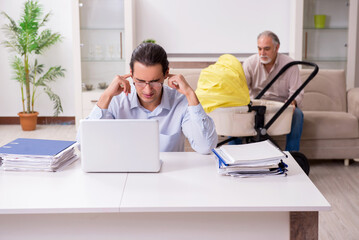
point(262, 118)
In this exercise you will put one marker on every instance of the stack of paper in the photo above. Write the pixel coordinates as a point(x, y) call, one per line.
point(251, 160)
point(26, 154)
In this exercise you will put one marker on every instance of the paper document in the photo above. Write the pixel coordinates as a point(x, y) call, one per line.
point(251, 160)
point(258, 151)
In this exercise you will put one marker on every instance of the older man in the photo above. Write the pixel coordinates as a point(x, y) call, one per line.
point(261, 68)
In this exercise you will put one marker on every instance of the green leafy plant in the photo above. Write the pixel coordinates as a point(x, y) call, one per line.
point(27, 39)
point(149, 41)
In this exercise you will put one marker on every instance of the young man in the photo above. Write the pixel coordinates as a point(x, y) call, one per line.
point(261, 68)
point(175, 106)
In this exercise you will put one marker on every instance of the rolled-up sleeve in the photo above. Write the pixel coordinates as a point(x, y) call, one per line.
point(98, 113)
point(200, 130)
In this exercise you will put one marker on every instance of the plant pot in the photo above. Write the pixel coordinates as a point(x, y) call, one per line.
point(28, 121)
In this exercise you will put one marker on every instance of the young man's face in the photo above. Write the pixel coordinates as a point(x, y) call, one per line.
point(148, 81)
point(267, 50)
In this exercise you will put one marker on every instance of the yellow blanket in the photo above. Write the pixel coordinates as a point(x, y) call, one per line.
point(223, 84)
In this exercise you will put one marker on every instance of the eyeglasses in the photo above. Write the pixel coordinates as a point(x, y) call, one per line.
point(151, 84)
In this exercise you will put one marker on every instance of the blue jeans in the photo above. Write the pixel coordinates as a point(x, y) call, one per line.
point(293, 138)
point(236, 141)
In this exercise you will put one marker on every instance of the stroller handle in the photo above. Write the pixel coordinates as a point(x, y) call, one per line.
point(295, 94)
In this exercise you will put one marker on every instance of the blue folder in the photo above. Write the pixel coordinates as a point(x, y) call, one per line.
point(35, 147)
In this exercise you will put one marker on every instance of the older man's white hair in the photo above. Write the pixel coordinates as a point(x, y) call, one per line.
point(270, 34)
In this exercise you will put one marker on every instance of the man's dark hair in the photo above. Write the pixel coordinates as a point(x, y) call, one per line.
point(150, 54)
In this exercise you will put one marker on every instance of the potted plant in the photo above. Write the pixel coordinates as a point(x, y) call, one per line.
point(149, 40)
point(27, 39)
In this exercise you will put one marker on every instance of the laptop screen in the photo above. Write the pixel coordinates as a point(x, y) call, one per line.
point(119, 145)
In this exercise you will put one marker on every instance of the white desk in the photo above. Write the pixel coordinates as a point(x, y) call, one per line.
point(186, 200)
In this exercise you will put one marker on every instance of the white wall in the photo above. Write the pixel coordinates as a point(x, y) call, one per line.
point(60, 54)
point(211, 26)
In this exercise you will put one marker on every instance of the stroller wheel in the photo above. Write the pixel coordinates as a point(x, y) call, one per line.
point(302, 160)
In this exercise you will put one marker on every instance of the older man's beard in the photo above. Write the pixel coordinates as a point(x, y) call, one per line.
point(262, 59)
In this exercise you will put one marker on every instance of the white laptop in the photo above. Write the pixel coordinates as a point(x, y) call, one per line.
point(120, 145)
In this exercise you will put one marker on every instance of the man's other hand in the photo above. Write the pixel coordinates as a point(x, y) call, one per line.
point(179, 83)
point(118, 85)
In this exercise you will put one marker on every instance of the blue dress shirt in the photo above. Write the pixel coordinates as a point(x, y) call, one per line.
point(176, 120)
